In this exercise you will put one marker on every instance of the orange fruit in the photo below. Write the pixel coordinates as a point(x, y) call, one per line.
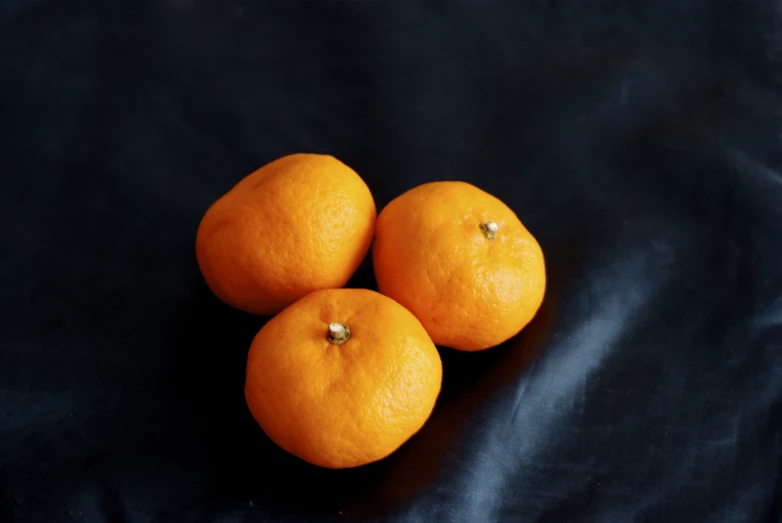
point(298, 224)
point(461, 261)
point(343, 377)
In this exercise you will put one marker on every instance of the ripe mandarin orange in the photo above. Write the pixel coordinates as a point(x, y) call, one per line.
point(298, 224)
point(461, 261)
point(342, 377)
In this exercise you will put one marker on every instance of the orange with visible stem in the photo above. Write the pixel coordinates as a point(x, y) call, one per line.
point(342, 377)
point(460, 260)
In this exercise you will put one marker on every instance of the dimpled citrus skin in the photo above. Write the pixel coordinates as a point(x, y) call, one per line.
point(300, 223)
point(430, 255)
point(341, 406)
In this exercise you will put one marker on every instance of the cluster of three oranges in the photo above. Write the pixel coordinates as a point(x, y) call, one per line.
point(343, 377)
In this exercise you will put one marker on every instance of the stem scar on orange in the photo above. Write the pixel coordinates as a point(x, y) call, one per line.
point(461, 261)
point(342, 377)
point(298, 224)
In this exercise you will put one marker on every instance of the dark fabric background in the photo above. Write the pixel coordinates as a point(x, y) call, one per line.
point(640, 141)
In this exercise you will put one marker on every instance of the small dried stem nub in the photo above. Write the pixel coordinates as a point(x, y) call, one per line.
point(339, 333)
point(489, 229)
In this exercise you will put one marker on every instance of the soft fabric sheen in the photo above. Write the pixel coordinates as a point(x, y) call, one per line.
point(639, 141)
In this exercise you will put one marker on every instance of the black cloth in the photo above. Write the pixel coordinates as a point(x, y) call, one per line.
point(638, 140)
